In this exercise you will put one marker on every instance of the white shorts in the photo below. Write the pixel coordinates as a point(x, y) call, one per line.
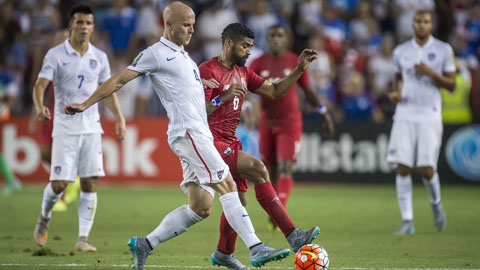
point(72, 154)
point(410, 141)
point(201, 162)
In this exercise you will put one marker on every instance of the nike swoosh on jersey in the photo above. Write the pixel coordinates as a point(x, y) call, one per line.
point(170, 59)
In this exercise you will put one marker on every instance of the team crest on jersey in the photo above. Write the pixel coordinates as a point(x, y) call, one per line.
point(286, 71)
point(244, 84)
point(265, 73)
point(93, 63)
point(431, 56)
point(57, 169)
point(228, 150)
point(220, 174)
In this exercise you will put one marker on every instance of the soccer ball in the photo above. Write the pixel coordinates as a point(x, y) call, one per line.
point(311, 257)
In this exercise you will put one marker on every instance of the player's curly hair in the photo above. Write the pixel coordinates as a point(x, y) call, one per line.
point(83, 9)
point(236, 31)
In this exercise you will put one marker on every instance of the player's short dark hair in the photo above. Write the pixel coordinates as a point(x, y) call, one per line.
point(236, 31)
point(278, 25)
point(83, 9)
point(424, 11)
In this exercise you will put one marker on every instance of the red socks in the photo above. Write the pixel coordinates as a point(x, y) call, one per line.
point(228, 237)
point(283, 187)
point(267, 197)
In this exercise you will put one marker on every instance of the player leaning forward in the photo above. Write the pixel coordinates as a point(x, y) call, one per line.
point(423, 64)
point(76, 68)
point(176, 80)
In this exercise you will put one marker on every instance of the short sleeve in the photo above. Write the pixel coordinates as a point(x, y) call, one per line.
point(49, 66)
point(206, 74)
point(396, 61)
point(105, 72)
point(449, 65)
point(254, 81)
point(144, 62)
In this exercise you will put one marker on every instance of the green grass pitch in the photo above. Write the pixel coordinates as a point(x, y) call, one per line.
point(356, 224)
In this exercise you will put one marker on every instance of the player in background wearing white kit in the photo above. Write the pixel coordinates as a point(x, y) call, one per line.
point(76, 68)
point(176, 80)
point(423, 65)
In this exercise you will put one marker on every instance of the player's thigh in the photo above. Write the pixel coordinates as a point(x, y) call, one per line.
point(252, 168)
point(201, 162)
point(65, 152)
point(429, 143)
point(90, 160)
point(229, 154)
point(267, 142)
point(402, 143)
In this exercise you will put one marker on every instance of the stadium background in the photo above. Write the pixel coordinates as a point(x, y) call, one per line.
point(355, 39)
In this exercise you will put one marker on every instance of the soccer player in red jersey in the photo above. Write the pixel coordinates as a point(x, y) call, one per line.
point(280, 123)
point(227, 81)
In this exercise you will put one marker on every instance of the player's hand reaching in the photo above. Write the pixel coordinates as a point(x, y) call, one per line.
point(74, 108)
point(395, 96)
point(120, 129)
point(235, 90)
point(43, 114)
point(328, 126)
point(212, 83)
point(306, 58)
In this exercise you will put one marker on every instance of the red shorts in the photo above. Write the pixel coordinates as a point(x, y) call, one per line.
point(279, 143)
point(229, 154)
point(45, 133)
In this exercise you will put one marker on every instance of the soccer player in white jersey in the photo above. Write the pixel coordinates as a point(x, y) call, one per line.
point(76, 68)
point(423, 65)
point(177, 82)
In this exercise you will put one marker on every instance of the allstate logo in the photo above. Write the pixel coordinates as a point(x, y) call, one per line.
point(463, 152)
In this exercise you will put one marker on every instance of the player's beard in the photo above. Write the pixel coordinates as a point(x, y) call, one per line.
point(240, 61)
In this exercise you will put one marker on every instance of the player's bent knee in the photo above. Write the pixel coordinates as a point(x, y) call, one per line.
point(88, 184)
point(59, 186)
point(403, 170)
point(427, 172)
point(202, 212)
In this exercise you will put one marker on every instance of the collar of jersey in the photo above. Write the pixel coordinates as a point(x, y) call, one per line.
point(426, 45)
point(174, 47)
point(71, 50)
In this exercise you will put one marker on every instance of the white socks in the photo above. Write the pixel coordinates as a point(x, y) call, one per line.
point(175, 223)
point(87, 206)
point(50, 198)
point(238, 218)
point(433, 188)
point(404, 196)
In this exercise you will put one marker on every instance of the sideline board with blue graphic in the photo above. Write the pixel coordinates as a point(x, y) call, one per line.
point(462, 152)
point(357, 153)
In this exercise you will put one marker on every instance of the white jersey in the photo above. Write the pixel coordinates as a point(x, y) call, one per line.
point(176, 80)
point(421, 99)
point(75, 78)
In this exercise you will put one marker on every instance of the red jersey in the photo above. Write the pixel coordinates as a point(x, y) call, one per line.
point(284, 110)
point(223, 122)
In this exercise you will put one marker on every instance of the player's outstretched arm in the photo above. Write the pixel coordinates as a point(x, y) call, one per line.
point(42, 112)
point(277, 89)
point(114, 106)
point(106, 89)
point(314, 100)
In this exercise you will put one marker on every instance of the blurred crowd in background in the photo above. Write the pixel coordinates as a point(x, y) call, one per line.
point(355, 40)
